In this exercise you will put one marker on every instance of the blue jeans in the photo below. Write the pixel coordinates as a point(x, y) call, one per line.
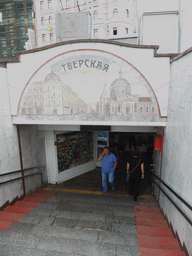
point(110, 176)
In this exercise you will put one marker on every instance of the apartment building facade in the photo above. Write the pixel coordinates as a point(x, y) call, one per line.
point(109, 19)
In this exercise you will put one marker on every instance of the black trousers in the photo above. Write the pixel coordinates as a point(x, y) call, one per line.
point(134, 185)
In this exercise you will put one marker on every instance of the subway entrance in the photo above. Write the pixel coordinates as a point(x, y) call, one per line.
point(122, 145)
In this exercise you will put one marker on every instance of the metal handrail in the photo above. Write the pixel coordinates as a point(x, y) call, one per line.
point(23, 176)
point(179, 197)
point(23, 170)
point(20, 178)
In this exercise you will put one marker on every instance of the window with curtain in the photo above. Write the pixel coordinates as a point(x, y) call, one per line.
point(42, 21)
point(50, 20)
point(95, 15)
point(115, 13)
point(44, 38)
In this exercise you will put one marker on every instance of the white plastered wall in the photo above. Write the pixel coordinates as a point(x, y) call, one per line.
point(9, 150)
point(177, 151)
point(32, 152)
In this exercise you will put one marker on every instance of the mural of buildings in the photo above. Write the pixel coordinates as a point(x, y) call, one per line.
point(53, 97)
point(122, 103)
point(118, 94)
point(52, 90)
point(34, 102)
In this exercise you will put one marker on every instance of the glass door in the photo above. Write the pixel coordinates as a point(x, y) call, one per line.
point(102, 141)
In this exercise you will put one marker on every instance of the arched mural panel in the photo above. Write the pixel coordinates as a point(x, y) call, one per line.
point(88, 85)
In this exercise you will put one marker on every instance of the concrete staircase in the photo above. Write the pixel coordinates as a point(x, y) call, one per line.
point(47, 223)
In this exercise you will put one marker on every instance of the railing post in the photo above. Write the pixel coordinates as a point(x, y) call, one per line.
point(21, 160)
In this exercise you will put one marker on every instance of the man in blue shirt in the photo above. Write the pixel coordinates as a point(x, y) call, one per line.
point(109, 164)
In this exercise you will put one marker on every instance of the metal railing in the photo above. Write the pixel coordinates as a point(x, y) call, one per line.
point(23, 176)
point(176, 195)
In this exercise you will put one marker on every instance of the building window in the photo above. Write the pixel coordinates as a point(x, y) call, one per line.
point(95, 32)
point(49, 4)
point(141, 108)
point(115, 13)
point(50, 20)
point(51, 37)
point(20, 7)
point(126, 31)
point(113, 109)
point(42, 21)
point(43, 38)
point(115, 31)
point(67, 2)
point(60, 3)
point(75, 2)
point(41, 5)
point(147, 108)
point(153, 110)
point(135, 107)
point(127, 12)
point(95, 15)
point(127, 109)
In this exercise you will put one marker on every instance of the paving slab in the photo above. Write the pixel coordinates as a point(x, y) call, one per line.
point(103, 249)
point(21, 227)
point(124, 250)
point(63, 232)
point(121, 220)
point(74, 246)
point(124, 228)
point(41, 212)
point(73, 223)
point(118, 238)
point(33, 219)
point(46, 206)
point(10, 250)
point(21, 239)
point(47, 221)
point(78, 215)
point(126, 212)
point(54, 200)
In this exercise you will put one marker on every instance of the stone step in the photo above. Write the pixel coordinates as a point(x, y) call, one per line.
point(9, 216)
point(159, 252)
point(40, 195)
point(34, 199)
point(84, 247)
point(149, 215)
point(88, 235)
point(48, 192)
point(94, 198)
point(154, 231)
point(4, 224)
point(16, 209)
point(160, 223)
point(13, 250)
point(158, 242)
point(149, 204)
point(147, 209)
point(26, 204)
point(126, 212)
point(41, 243)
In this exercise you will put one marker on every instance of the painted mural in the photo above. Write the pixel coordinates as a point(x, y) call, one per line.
point(89, 86)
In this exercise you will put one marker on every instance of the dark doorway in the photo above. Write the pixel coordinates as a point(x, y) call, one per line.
point(122, 144)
